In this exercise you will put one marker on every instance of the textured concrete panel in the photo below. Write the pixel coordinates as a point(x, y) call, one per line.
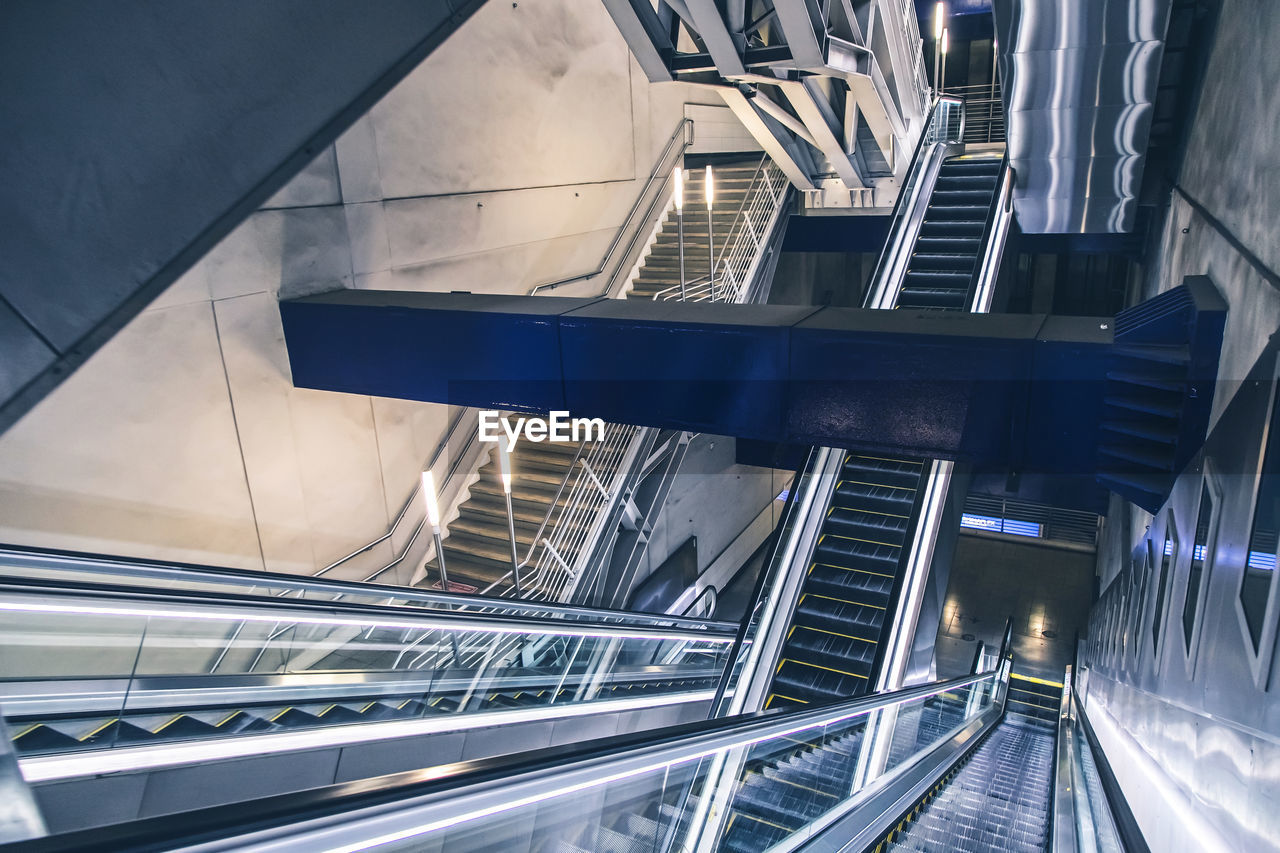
point(136, 453)
point(260, 387)
point(547, 135)
point(118, 178)
point(285, 252)
point(315, 185)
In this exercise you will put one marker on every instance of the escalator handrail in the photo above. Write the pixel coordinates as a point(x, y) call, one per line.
point(181, 573)
point(395, 616)
point(984, 243)
point(29, 698)
point(768, 583)
point(598, 760)
point(917, 156)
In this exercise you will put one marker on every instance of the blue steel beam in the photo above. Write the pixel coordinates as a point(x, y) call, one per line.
point(982, 388)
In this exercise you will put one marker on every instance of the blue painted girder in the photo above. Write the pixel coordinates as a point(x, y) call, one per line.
point(1023, 390)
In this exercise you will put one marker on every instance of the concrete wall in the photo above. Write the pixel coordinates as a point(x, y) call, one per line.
point(716, 500)
point(140, 134)
point(506, 159)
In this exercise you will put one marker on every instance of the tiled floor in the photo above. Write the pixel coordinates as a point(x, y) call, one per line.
point(1045, 590)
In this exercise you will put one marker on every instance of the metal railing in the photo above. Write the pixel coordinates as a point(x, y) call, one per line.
point(742, 249)
point(566, 534)
point(910, 25)
point(983, 112)
point(655, 191)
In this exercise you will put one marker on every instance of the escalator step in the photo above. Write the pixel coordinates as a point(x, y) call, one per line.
point(959, 246)
point(816, 683)
point(858, 495)
point(881, 470)
point(956, 213)
point(851, 584)
point(951, 229)
point(849, 619)
point(41, 738)
point(939, 261)
point(932, 297)
point(874, 527)
point(832, 650)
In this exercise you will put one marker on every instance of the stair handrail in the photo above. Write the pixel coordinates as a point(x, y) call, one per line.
point(662, 169)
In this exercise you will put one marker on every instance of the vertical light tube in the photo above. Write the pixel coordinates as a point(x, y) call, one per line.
point(504, 467)
point(680, 225)
point(939, 24)
point(942, 80)
point(711, 234)
point(433, 518)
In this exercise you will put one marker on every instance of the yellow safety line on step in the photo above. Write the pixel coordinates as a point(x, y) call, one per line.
point(832, 633)
point(856, 539)
point(820, 666)
point(166, 725)
point(99, 728)
point(847, 569)
point(869, 511)
point(877, 485)
point(882, 459)
point(228, 719)
point(773, 696)
point(841, 600)
point(280, 714)
point(1034, 680)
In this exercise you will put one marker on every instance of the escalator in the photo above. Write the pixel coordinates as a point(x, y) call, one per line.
point(51, 731)
point(128, 663)
point(941, 271)
point(999, 800)
point(844, 606)
point(839, 627)
point(840, 775)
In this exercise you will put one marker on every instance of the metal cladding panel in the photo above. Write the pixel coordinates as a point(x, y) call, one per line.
point(697, 366)
point(462, 349)
point(1079, 81)
point(928, 380)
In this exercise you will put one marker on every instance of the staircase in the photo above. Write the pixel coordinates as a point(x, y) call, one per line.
point(841, 617)
point(946, 251)
point(477, 550)
point(660, 270)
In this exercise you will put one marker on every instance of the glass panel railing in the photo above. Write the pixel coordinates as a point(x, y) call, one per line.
point(1082, 820)
point(945, 125)
point(106, 669)
point(765, 625)
point(743, 783)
